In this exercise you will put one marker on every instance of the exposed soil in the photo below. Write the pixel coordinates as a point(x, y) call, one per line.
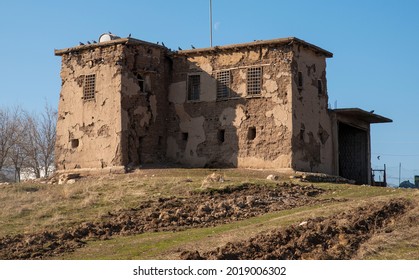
point(203, 209)
point(335, 237)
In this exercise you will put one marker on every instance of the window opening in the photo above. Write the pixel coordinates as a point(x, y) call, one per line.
point(251, 133)
point(74, 143)
point(300, 79)
point(319, 87)
point(221, 136)
point(194, 87)
point(254, 80)
point(185, 136)
point(89, 87)
point(140, 82)
point(223, 84)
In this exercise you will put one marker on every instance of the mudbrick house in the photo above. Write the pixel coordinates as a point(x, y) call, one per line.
point(262, 104)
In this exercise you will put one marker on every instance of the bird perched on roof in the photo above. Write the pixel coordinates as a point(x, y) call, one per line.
point(192, 46)
point(129, 35)
point(81, 44)
point(162, 43)
point(88, 42)
point(372, 111)
point(94, 42)
point(179, 48)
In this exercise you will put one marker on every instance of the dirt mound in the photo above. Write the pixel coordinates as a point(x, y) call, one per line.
point(203, 209)
point(336, 237)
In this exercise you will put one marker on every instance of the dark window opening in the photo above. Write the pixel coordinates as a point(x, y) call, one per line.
point(140, 82)
point(194, 87)
point(251, 133)
point(300, 79)
point(185, 136)
point(221, 136)
point(74, 143)
point(160, 141)
point(254, 80)
point(319, 87)
point(302, 131)
point(89, 87)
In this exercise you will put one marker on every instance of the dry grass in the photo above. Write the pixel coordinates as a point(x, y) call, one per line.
point(29, 207)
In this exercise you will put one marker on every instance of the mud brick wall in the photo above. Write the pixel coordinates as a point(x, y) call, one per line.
point(89, 131)
point(145, 81)
point(257, 130)
point(312, 128)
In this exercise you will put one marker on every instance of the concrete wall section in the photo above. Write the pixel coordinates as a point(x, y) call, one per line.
point(89, 131)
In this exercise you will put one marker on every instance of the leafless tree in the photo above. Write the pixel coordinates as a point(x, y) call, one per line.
point(8, 132)
point(16, 156)
point(39, 141)
point(27, 140)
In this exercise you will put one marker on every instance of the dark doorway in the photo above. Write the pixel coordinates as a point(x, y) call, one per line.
point(353, 153)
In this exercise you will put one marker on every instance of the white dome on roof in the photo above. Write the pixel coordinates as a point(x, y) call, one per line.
point(105, 37)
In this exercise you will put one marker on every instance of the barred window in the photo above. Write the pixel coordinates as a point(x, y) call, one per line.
point(89, 87)
point(254, 80)
point(223, 84)
point(194, 87)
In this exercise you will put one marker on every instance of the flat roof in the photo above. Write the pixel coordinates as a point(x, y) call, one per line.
point(359, 114)
point(279, 41)
point(127, 41)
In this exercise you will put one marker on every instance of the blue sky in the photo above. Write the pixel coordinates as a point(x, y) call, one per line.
point(375, 45)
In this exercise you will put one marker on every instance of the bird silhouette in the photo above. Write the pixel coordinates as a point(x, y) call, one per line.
point(372, 111)
point(179, 48)
point(109, 32)
point(88, 42)
point(157, 42)
point(81, 44)
point(163, 44)
point(129, 35)
point(94, 42)
point(378, 157)
point(192, 46)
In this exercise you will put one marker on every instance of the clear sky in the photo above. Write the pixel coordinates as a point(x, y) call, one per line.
point(375, 46)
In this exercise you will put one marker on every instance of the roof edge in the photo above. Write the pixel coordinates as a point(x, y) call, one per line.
point(358, 113)
point(278, 41)
point(127, 41)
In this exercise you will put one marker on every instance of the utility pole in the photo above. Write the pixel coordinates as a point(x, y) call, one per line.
point(210, 23)
point(400, 172)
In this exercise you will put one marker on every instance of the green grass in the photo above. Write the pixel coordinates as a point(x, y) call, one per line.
point(34, 207)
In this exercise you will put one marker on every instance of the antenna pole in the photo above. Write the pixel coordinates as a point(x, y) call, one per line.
point(210, 23)
point(400, 172)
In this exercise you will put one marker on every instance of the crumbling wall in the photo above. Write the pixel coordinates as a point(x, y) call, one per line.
point(145, 79)
point(239, 131)
point(89, 131)
point(312, 129)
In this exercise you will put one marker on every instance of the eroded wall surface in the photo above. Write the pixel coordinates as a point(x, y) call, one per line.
point(238, 131)
point(89, 131)
point(145, 81)
point(312, 128)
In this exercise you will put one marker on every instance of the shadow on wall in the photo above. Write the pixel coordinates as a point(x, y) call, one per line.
point(205, 114)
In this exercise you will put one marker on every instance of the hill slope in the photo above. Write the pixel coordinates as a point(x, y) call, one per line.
point(176, 213)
